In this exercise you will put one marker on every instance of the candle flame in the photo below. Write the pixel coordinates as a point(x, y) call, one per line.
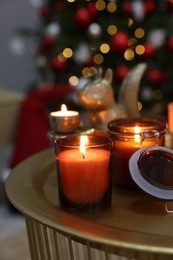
point(137, 132)
point(63, 108)
point(83, 143)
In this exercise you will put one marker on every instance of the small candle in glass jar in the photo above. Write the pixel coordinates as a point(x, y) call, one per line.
point(64, 121)
point(129, 135)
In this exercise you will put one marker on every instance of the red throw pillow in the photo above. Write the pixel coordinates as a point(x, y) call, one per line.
point(33, 122)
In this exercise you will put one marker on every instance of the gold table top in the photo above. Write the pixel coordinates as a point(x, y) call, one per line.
point(135, 221)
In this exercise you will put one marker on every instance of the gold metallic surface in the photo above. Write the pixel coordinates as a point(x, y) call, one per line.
point(136, 226)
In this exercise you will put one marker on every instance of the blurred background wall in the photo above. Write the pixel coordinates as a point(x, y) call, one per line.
point(16, 71)
point(16, 66)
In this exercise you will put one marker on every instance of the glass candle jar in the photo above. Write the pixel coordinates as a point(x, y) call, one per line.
point(129, 135)
point(84, 172)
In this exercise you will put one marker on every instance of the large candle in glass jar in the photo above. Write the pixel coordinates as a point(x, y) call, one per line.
point(129, 135)
point(84, 177)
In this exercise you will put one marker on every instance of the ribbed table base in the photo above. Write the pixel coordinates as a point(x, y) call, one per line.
point(49, 244)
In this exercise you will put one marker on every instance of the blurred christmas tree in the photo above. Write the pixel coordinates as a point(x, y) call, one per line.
point(74, 38)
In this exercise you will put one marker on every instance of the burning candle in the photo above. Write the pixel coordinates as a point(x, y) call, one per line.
point(84, 178)
point(64, 121)
point(129, 135)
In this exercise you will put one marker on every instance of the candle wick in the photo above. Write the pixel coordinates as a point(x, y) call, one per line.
point(83, 156)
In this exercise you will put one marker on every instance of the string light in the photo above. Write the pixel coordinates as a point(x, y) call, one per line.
point(98, 59)
point(129, 54)
point(100, 5)
point(112, 29)
point(85, 72)
point(89, 72)
point(67, 53)
point(139, 49)
point(139, 33)
point(140, 106)
point(73, 80)
point(104, 48)
point(111, 7)
point(130, 22)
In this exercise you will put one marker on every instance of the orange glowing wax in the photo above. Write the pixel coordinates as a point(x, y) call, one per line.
point(123, 150)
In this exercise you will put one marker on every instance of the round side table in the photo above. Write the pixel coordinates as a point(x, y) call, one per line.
point(135, 227)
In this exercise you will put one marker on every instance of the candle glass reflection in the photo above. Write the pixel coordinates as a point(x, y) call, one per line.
point(129, 135)
point(84, 177)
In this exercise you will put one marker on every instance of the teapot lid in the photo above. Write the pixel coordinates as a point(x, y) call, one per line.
point(152, 170)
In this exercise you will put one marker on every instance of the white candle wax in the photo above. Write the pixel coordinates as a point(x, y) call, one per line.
point(64, 112)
